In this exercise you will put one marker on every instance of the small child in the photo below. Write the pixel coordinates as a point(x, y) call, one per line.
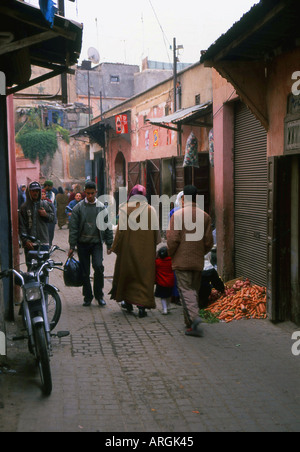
point(164, 278)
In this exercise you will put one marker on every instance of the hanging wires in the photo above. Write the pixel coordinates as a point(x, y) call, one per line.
point(166, 42)
point(227, 100)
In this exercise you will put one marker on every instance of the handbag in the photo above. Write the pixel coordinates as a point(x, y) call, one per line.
point(73, 274)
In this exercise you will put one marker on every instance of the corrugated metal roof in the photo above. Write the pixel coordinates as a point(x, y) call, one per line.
point(183, 115)
point(57, 48)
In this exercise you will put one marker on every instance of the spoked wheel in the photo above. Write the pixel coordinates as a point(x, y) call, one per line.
point(43, 359)
point(54, 307)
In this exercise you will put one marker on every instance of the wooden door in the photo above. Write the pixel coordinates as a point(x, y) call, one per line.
point(134, 174)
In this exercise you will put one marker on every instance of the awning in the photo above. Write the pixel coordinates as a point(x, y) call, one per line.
point(192, 116)
point(243, 54)
point(26, 39)
point(265, 31)
point(97, 131)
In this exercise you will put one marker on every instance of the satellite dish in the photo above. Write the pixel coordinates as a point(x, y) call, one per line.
point(93, 55)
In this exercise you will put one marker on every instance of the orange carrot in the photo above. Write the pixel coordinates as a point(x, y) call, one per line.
point(241, 301)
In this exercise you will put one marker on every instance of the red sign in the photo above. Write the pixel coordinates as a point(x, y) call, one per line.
point(121, 124)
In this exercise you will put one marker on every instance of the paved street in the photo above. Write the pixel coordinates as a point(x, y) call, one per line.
point(119, 373)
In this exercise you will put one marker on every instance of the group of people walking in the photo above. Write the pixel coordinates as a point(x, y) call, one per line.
point(139, 267)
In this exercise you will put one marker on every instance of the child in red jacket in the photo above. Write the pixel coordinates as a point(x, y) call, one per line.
point(165, 279)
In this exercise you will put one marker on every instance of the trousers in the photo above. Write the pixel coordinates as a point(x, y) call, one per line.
point(86, 253)
point(188, 283)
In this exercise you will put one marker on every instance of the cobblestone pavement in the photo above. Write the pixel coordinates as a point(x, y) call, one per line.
point(118, 373)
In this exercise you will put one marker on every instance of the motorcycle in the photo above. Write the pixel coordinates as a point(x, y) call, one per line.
point(35, 308)
point(35, 259)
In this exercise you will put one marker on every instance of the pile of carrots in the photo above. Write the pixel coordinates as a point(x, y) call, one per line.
point(241, 301)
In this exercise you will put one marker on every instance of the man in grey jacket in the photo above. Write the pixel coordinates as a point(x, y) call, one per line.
point(86, 236)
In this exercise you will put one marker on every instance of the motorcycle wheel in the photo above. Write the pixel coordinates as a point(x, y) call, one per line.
point(43, 359)
point(54, 306)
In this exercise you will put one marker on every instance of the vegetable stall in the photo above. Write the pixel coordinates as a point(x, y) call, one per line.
point(241, 300)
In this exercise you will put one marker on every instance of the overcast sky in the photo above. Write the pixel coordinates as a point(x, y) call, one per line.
point(127, 31)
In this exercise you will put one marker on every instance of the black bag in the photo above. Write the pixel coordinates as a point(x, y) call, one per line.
point(73, 274)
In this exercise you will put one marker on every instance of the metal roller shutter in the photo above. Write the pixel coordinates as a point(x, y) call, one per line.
point(251, 188)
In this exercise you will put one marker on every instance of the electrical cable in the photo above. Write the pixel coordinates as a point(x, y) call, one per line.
point(227, 100)
point(162, 30)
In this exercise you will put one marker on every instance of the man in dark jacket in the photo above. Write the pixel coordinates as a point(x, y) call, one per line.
point(34, 216)
point(88, 238)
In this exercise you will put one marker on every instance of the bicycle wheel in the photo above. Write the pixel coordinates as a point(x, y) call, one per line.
point(43, 359)
point(54, 306)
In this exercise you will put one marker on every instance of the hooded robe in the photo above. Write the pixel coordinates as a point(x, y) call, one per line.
point(134, 276)
point(30, 222)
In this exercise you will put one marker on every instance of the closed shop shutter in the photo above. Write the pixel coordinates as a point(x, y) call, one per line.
point(251, 188)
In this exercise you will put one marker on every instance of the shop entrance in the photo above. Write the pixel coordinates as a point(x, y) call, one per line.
point(283, 238)
point(295, 241)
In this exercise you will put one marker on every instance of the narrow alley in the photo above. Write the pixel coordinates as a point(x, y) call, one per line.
point(118, 373)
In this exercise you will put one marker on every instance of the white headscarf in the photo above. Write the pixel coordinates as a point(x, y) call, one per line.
point(178, 202)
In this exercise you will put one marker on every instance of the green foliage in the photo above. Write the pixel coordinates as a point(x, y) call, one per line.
point(36, 140)
point(208, 317)
point(38, 144)
point(63, 132)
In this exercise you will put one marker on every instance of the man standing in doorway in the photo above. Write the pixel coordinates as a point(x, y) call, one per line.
point(85, 235)
point(188, 254)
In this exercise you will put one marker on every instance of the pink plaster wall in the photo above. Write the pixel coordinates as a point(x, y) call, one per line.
point(142, 146)
point(279, 87)
point(142, 139)
point(223, 108)
point(27, 171)
point(280, 83)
